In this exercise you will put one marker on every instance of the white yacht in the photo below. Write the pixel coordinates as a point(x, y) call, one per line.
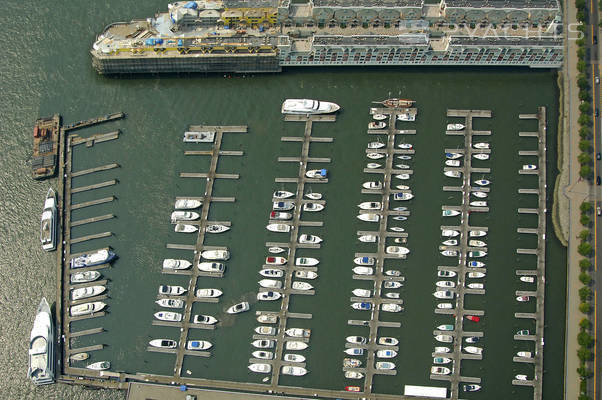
point(455, 127)
point(440, 371)
point(441, 360)
point(479, 194)
point(476, 275)
point(450, 213)
point(372, 185)
point(379, 117)
point(353, 375)
point(222, 254)
point(266, 330)
point(402, 166)
point(41, 347)
point(295, 345)
point(403, 177)
point(481, 156)
point(85, 292)
point(452, 163)
point(482, 182)
point(373, 165)
point(267, 318)
point(446, 274)
point(87, 308)
point(529, 167)
point(453, 174)
point(213, 267)
point(473, 350)
point(282, 194)
point(397, 250)
point(276, 250)
point(444, 338)
point(49, 222)
point(270, 296)
point(283, 205)
point(177, 216)
point(450, 242)
point(261, 368)
point(363, 270)
point(305, 238)
point(478, 203)
point(391, 307)
point(442, 349)
point(295, 371)
point(370, 205)
point(369, 217)
point(475, 285)
point(238, 308)
point(307, 106)
point(356, 339)
point(216, 228)
point(199, 137)
point(376, 145)
point(100, 366)
point(521, 377)
point(405, 146)
point(271, 273)
point(298, 285)
point(270, 283)
point(279, 215)
point(377, 125)
point(170, 303)
point(392, 285)
point(477, 233)
point(525, 354)
point(304, 274)
point(444, 294)
point(272, 260)
point(283, 228)
point(84, 277)
point(450, 253)
point(170, 263)
point(170, 290)
point(204, 319)
point(527, 279)
point(476, 243)
point(168, 316)
point(187, 204)
point(367, 238)
point(481, 145)
point(198, 345)
point(453, 156)
point(403, 196)
point(263, 355)
point(306, 261)
point(375, 156)
point(386, 353)
point(317, 173)
point(354, 351)
point(449, 233)
point(298, 332)
point(361, 292)
point(294, 358)
point(208, 293)
point(163, 343)
point(364, 260)
point(384, 365)
point(445, 284)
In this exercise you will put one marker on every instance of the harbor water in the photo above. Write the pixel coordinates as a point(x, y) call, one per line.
point(46, 69)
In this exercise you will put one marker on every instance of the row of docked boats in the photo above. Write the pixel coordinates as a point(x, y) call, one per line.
point(296, 339)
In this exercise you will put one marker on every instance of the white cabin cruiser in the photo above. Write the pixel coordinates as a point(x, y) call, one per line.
point(306, 274)
point(173, 264)
point(282, 228)
point(214, 267)
point(208, 293)
point(307, 106)
point(168, 316)
point(187, 204)
point(41, 347)
point(49, 224)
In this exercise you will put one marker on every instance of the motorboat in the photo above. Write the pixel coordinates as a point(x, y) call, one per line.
point(453, 174)
point(397, 229)
point(163, 343)
point(272, 273)
point(293, 370)
point(308, 106)
point(396, 103)
point(353, 375)
point(482, 182)
point(402, 166)
point(199, 137)
point(298, 332)
point(476, 243)
point(313, 195)
point(444, 294)
point(474, 275)
point(442, 349)
point(266, 330)
point(453, 156)
point(216, 228)
point(49, 227)
point(298, 285)
point(354, 351)
point(376, 145)
point(204, 319)
point(445, 306)
point(187, 204)
point(364, 260)
point(269, 296)
point(403, 196)
point(405, 146)
point(168, 316)
point(99, 366)
point(367, 238)
point(170, 303)
point(523, 298)
point(221, 254)
point(214, 267)
point(174, 264)
point(386, 353)
point(477, 233)
point(455, 127)
point(406, 117)
point(450, 253)
point(393, 272)
point(384, 365)
point(377, 125)
point(306, 261)
point(304, 274)
point(276, 250)
point(85, 292)
point(352, 388)
point(291, 357)
point(198, 345)
point(79, 357)
point(263, 355)
point(267, 318)
point(473, 318)
point(373, 165)
point(379, 117)
point(370, 205)
point(90, 259)
point(283, 228)
point(376, 156)
point(87, 308)
point(362, 306)
point(295, 345)
point(369, 217)
point(282, 194)
point(449, 233)
point(450, 242)
point(476, 285)
point(404, 157)
point(477, 253)
point(279, 215)
point(521, 377)
point(473, 350)
point(478, 194)
point(238, 308)
point(481, 156)
point(84, 277)
point(388, 341)
point(472, 339)
point(41, 346)
point(351, 362)
point(441, 360)
point(481, 145)
point(283, 205)
point(445, 327)
point(311, 239)
point(476, 264)
point(270, 283)
point(445, 284)
point(524, 354)
point(529, 167)
point(261, 368)
point(373, 185)
point(450, 213)
point(527, 279)
point(444, 338)
point(400, 218)
point(184, 216)
point(317, 173)
point(363, 270)
point(263, 343)
point(403, 177)
point(392, 285)
point(271, 260)
point(356, 339)
point(471, 387)
point(391, 307)
point(478, 203)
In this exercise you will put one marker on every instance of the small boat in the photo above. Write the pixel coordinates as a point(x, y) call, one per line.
point(475, 286)
point(402, 166)
point(481, 145)
point(529, 167)
point(376, 145)
point(168, 316)
point(453, 174)
point(308, 106)
point(184, 216)
point(363, 270)
point(100, 366)
point(271, 260)
point(214, 267)
point(49, 223)
point(478, 203)
point(444, 294)
point(374, 185)
point(306, 261)
point(216, 228)
point(283, 205)
point(388, 341)
point(90, 259)
point(351, 362)
point(87, 308)
point(313, 196)
point(444, 338)
point(449, 233)
point(305, 238)
point(446, 327)
point(445, 284)
point(364, 260)
point(79, 357)
point(392, 285)
point(473, 350)
point(521, 377)
point(450, 213)
point(238, 308)
point(367, 238)
point(261, 368)
point(477, 253)
point(356, 339)
point(379, 117)
point(263, 355)
point(403, 196)
point(294, 358)
point(42, 347)
point(525, 354)
point(477, 243)
point(373, 165)
point(198, 345)
point(204, 319)
point(279, 228)
point(270, 283)
point(354, 351)
point(375, 156)
point(403, 177)
point(282, 194)
point(173, 264)
point(477, 233)
point(471, 387)
point(478, 194)
point(369, 217)
point(199, 137)
point(450, 242)
point(295, 345)
point(405, 146)
point(306, 274)
point(523, 298)
point(363, 306)
point(222, 254)
point(527, 279)
point(353, 375)
point(453, 156)
point(455, 127)
point(396, 103)
point(85, 292)
point(377, 125)
point(280, 215)
point(84, 277)
point(301, 286)
point(476, 264)
point(269, 296)
point(271, 273)
point(386, 353)
point(442, 349)
point(265, 330)
point(473, 318)
point(370, 205)
point(397, 229)
point(445, 306)
point(267, 318)
point(298, 332)
point(352, 388)
point(523, 332)
point(391, 307)
point(472, 339)
point(263, 343)
point(450, 253)
point(482, 182)
point(187, 204)
point(393, 272)
point(441, 360)
point(163, 343)
point(406, 117)
point(276, 250)
point(481, 156)
point(384, 365)
point(400, 218)
point(440, 371)
point(404, 157)
point(170, 303)
point(474, 275)
point(317, 173)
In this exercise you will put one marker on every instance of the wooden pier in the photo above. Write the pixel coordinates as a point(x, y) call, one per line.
point(94, 121)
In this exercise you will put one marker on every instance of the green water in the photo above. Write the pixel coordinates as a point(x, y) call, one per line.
point(48, 70)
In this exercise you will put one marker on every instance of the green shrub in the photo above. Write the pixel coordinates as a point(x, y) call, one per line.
point(586, 206)
point(585, 132)
point(585, 308)
point(585, 107)
point(584, 159)
point(584, 373)
point(585, 145)
point(585, 278)
point(584, 354)
point(584, 119)
point(585, 324)
point(585, 264)
point(584, 95)
point(585, 221)
point(585, 293)
point(585, 339)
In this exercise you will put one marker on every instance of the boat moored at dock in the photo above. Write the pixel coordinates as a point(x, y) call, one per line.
point(41, 369)
point(49, 222)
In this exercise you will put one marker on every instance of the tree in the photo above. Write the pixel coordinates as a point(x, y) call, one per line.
point(581, 65)
point(584, 234)
point(585, 171)
point(585, 132)
point(585, 221)
point(584, 159)
point(586, 206)
point(585, 339)
point(585, 324)
point(581, 51)
point(584, 372)
point(580, 16)
point(585, 145)
point(582, 81)
point(584, 95)
point(585, 249)
point(584, 119)
point(585, 278)
point(585, 264)
point(585, 107)
point(584, 354)
point(585, 293)
point(580, 4)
